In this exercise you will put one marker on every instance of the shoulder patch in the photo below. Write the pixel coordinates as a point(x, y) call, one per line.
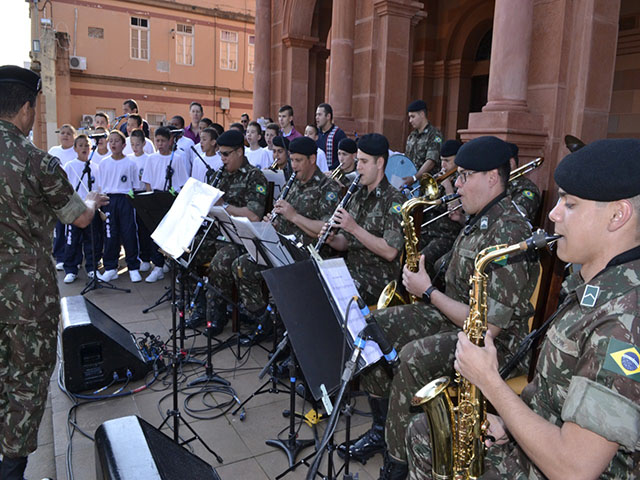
point(528, 194)
point(331, 196)
point(396, 207)
point(52, 164)
point(502, 261)
point(590, 296)
point(261, 190)
point(437, 139)
point(623, 358)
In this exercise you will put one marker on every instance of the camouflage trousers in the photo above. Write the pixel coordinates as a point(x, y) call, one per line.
point(220, 267)
point(504, 462)
point(426, 340)
point(27, 359)
point(249, 281)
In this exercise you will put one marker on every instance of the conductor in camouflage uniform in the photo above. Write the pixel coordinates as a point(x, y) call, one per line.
point(423, 143)
point(371, 230)
point(425, 332)
point(579, 417)
point(245, 193)
point(34, 193)
point(311, 200)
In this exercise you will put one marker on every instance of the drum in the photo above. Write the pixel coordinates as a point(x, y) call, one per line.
point(398, 167)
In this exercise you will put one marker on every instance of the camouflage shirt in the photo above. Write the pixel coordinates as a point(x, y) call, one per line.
point(34, 192)
point(511, 281)
point(246, 187)
point(423, 146)
point(588, 372)
point(378, 212)
point(317, 199)
point(526, 196)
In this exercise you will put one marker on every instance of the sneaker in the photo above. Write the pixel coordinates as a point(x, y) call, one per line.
point(108, 275)
point(166, 268)
point(70, 278)
point(60, 266)
point(155, 275)
point(134, 275)
point(145, 266)
point(90, 275)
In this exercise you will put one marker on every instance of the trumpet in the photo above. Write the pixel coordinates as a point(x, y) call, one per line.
point(274, 166)
point(284, 193)
point(336, 173)
point(438, 177)
point(343, 204)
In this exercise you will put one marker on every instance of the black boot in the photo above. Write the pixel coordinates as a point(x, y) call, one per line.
point(216, 313)
point(263, 327)
point(372, 441)
point(198, 316)
point(13, 468)
point(392, 469)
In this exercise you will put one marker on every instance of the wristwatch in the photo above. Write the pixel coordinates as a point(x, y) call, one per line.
point(426, 296)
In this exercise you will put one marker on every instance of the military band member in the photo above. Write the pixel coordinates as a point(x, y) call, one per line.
point(524, 193)
point(281, 155)
point(34, 193)
point(311, 201)
point(425, 332)
point(423, 143)
point(370, 227)
point(347, 153)
point(579, 417)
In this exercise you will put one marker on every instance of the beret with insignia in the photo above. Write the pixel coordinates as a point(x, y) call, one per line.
point(483, 154)
point(231, 138)
point(23, 76)
point(450, 148)
point(348, 145)
point(374, 144)
point(282, 142)
point(303, 146)
point(416, 106)
point(604, 171)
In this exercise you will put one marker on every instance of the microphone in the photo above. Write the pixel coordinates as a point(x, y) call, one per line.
point(195, 294)
point(377, 335)
point(96, 136)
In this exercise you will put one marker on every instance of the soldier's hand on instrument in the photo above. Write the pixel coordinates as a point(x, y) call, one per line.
point(342, 219)
point(408, 181)
point(496, 430)
point(100, 199)
point(477, 364)
point(416, 283)
point(266, 218)
point(284, 208)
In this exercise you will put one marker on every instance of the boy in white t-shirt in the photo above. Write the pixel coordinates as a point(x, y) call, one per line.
point(257, 156)
point(119, 178)
point(134, 121)
point(79, 239)
point(103, 146)
point(137, 140)
point(209, 146)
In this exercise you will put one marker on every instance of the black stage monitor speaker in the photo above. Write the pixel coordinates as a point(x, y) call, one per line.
point(93, 346)
point(128, 448)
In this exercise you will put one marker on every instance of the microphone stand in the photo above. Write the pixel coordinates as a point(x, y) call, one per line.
point(94, 283)
point(210, 171)
point(169, 174)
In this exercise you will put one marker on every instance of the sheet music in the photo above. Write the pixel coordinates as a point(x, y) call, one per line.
point(341, 287)
point(248, 231)
point(226, 224)
point(278, 180)
point(181, 223)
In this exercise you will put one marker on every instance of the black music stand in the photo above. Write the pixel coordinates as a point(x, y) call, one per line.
point(151, 208)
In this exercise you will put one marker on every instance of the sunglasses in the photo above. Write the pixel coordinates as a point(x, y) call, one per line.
point(226, 154)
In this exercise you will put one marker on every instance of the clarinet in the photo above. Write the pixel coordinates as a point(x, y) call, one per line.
point(343, 204)
point(216, 179)
point(284, 193)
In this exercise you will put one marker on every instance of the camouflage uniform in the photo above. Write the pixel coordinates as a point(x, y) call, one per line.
point(423, 146)
point(587, 374)
point(34, 192)
point(378, 213)
point(316, 199)
point(438, 238)
point(526, 195)
point(245, 187)
point(426, 338)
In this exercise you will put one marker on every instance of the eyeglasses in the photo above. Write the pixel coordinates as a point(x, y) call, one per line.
point(226, 154)
point(464, 175)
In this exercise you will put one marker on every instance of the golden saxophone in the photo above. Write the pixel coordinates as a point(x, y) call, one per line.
point(457, 432)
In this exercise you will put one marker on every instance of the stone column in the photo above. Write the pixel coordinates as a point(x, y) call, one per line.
point(296, 76)
point(262, 49)
point(341, 61)
point(510, 52)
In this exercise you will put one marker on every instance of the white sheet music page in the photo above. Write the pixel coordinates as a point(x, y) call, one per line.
point(264, 232)
point(182, 221)
point(337, 278)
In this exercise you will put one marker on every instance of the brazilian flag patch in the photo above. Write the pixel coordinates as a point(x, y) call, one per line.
point(437, 139)
point(502, 261)
point(331, 196)
point(528, 194)
point(261, 190)
point(396, 207)
point(623, 358)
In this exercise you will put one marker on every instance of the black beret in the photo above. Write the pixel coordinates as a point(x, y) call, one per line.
point(23, 76)
point(374, 144)
point(231, 138)
point(483, 154)
point(514, 149)
point(605, 170)
point(450, 148)
point(348, 145)
point(282, 142)
point(416, 106)
point(303, 146)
